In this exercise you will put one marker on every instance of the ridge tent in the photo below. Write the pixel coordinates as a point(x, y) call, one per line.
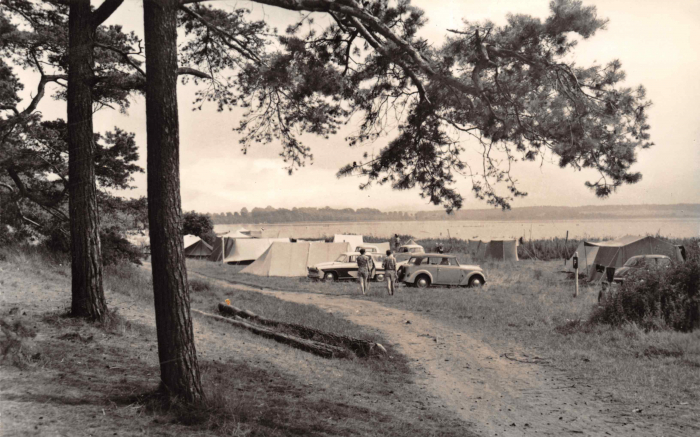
point(189, 240)
point(199, 249)
point(473, 246)
point(249, 249)
point(354, 240)
point(503, 250)
point(615, 253)
point(222, 247)
point(292, 259)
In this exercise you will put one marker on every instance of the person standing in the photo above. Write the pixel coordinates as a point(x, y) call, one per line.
point(389, 266)
point(365, 266)
point(397, 242)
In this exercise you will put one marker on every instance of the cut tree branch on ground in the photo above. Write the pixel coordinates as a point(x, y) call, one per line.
point(360, 347)
point(315, 347)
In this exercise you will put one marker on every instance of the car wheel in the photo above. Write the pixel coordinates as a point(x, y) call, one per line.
point(379, 278)
point(476, 281)
point(422, 281)
point(330, 276)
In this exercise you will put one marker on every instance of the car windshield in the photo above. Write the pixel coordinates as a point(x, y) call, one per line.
point(634, 262)
point(341, 259)
point(415, 261)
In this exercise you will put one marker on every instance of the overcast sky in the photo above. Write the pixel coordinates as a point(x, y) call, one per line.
point(656, 41)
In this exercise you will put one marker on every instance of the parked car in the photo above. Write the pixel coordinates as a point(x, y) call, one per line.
point(633, 264)
point(345, 267)
point(406, 251)
point(428, 269)
point(640, 262)
point(368, 248)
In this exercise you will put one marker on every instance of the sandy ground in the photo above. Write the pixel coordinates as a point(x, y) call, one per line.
point(503, 393)
point(500, 392)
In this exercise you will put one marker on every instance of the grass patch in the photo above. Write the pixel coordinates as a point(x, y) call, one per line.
point(529, 305)
point(93, 377)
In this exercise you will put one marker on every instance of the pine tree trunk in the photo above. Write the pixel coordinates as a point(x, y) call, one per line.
point(178, 358)
point(86, 256)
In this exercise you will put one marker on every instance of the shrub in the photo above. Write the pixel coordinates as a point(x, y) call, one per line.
point(117, 249)
point(657, 298)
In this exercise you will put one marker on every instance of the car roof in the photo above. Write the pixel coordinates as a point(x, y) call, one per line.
point(650, 256)
point(423, 255)
point(358, 253)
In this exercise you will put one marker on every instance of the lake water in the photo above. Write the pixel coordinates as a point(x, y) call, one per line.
point(485, 230)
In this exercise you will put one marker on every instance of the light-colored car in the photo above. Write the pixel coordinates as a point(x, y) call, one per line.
point(406, 251)
point(428, 269)
point(368, 248)
point(345, 267)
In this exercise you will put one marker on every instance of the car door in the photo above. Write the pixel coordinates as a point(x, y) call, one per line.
point(448, 272)
point(349, 269)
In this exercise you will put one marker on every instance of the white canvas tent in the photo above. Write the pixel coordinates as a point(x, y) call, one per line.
point(616, 252)
point(292, 259)
point(354, 240)
point(250, 249)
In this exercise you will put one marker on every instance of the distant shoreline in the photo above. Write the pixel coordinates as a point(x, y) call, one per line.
point(516, 220)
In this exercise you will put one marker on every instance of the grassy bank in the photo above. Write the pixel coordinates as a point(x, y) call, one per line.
point(78, 378)
point(529, 306)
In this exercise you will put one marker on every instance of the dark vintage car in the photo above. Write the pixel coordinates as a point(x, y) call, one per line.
point(440, 269)
point(640, 262)
point(634, 264)
point(345, 267)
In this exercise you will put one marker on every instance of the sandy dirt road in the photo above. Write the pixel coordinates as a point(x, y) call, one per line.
point(503, 393)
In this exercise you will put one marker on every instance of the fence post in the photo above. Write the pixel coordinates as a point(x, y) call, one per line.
point(575, 263)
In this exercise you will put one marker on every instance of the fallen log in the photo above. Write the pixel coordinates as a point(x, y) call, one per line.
point(360, 347)
point(315, 347)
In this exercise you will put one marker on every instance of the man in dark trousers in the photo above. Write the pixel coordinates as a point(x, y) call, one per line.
point(397, 242)
point(389, 266)
point(365, 266)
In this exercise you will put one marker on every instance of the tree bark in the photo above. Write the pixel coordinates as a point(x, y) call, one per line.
point(179, 370)
point(86, 255)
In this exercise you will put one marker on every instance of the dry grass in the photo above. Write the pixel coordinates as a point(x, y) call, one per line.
point(529, 305)
point(95, 379)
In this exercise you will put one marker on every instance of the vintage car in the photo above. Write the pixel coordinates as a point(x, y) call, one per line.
point(428, 269)
point(640, 262)
point(368, 248)
point(406, 251)
point(345, 267)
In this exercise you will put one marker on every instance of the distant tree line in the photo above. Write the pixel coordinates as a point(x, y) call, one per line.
point(327, 214)
point(283, 215)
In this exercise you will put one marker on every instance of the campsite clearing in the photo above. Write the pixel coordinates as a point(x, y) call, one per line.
point(525, 311)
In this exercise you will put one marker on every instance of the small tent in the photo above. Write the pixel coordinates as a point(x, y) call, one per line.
point(501, 250)
point(292, 259)
point(250, 249)
point(199, 249)
point(473, 246)
point(189, 240)
point(222, 247)
point(354, 240)
point(615, 253)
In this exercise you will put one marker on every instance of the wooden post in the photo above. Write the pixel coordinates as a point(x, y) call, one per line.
point(223, 249)
point(576, 273)
point(565, 243)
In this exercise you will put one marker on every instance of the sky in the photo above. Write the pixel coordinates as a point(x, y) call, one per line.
point(654, 39)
